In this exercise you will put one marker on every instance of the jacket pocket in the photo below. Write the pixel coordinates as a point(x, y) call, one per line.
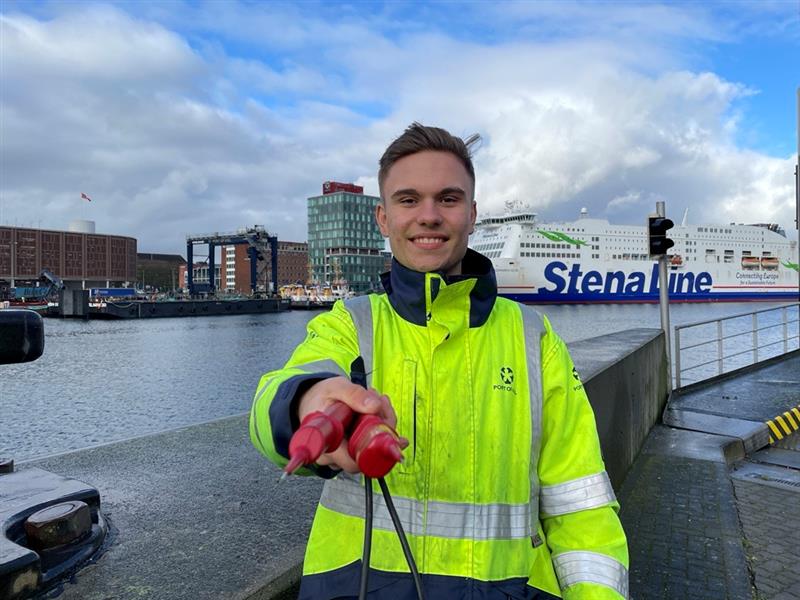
point(407, 414)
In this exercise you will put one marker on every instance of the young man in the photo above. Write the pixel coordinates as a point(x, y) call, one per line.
point(502, 492)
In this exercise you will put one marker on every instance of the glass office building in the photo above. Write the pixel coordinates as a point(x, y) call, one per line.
point(344, 242)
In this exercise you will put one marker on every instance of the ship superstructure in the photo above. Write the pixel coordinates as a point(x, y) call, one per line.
point(592, 260)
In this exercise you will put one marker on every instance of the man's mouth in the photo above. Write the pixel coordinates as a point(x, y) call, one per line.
point(428, 241)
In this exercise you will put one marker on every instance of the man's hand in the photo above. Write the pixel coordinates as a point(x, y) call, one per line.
point(326, 392)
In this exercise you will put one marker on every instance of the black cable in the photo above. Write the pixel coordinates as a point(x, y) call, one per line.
point(398, 525)
point(362, 591)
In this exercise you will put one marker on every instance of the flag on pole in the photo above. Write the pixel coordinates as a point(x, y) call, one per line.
point(85, 197)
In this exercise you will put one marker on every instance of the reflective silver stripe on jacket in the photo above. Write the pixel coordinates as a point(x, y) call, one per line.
point(587, 492)
point(318, 366)
point(360, 310)
point(321, 366)
point(533, 326)
point(591, 567)
point(453, 520)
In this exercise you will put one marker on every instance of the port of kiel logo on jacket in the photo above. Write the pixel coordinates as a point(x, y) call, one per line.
point(506, 380)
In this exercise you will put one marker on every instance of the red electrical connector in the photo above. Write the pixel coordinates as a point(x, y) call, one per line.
point(320, 432)
point(373, 444)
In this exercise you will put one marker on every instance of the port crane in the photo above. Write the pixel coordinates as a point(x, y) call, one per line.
point(258, 240)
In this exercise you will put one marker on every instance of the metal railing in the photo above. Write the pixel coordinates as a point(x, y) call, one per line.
point(735, 342)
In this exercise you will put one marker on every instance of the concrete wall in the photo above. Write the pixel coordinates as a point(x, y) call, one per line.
point(625, 375)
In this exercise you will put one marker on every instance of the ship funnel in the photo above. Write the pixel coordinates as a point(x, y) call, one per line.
point(584, 212)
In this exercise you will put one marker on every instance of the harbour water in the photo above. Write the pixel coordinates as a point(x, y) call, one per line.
point(103, 381)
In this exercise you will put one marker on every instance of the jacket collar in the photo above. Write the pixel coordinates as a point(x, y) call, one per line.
point(405, 289)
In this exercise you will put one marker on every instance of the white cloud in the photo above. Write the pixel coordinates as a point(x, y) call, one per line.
point(175, 133)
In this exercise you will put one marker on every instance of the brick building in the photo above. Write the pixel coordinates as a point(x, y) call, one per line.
point(235, 263)
point(82, 259)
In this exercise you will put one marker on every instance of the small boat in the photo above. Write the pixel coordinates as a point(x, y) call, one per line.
point(676, 261)
point(751, 262)
point(769, 263)
point(40, 306)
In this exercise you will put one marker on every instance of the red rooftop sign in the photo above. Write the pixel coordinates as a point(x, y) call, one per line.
point(330, 187)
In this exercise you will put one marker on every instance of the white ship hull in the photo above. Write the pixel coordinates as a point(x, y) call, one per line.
point(591, 260)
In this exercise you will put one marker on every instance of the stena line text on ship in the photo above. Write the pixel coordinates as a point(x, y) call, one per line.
point(592, 260)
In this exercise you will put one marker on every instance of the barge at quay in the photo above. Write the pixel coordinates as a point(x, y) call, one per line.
point(139, 309)
point(127, 303)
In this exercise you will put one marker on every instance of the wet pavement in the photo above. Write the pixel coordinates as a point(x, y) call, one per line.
point(755, 395)
point(712, 511)
point(768, 503)
point(194, 513)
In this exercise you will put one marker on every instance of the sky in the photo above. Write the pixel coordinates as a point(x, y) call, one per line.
point(180, 118)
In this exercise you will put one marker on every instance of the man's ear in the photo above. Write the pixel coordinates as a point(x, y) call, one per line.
point(380, 217)
point(473, 216)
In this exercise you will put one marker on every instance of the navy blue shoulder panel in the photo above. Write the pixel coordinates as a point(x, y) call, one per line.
point(342, 584)
point(405, 289)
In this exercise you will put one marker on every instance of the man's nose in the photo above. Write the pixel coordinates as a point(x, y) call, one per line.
point(429, 213)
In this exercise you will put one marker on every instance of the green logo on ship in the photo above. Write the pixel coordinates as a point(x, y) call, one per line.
point(557, 236)
point(791, 265)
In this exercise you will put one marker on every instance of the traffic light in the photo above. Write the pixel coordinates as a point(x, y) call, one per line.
point(657, 235)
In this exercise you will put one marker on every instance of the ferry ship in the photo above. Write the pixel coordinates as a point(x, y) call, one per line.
point(591, 260)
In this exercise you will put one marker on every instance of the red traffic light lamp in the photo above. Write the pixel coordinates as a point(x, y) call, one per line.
point(657, 235)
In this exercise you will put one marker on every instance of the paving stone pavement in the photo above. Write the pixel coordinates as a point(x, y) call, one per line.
point(770, 517)
point(684, 538)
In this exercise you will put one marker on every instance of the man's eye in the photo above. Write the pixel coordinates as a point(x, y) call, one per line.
point(407, 200)
point(449, 199)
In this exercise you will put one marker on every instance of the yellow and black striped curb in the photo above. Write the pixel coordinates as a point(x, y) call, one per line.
point(784, 424)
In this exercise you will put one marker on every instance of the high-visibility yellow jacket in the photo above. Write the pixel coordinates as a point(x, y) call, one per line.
point(502, 491)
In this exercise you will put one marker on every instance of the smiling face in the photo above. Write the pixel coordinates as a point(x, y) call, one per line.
point(427, 211)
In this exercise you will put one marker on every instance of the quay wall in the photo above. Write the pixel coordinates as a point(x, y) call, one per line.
point(625, 375)
point(196, 513)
